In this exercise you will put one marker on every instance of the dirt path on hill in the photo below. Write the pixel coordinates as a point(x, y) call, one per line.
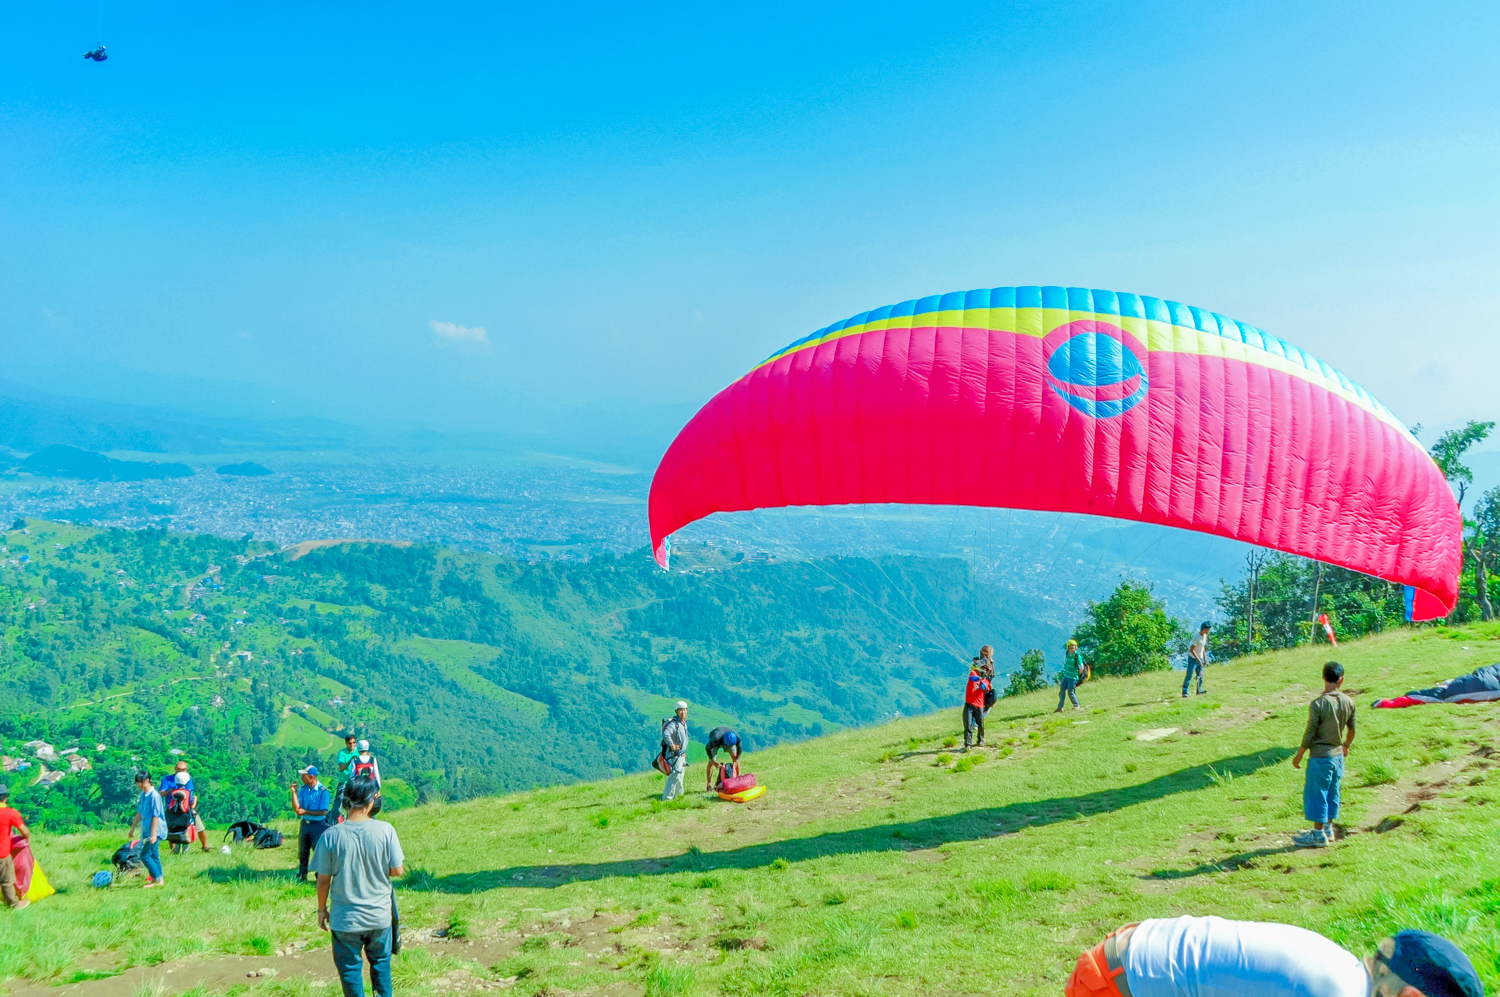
point(596, 937)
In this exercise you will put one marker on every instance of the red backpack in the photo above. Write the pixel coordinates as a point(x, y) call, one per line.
point(365, 768)
point(179, 801)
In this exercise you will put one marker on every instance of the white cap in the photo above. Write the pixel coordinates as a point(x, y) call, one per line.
point(182, 778)
point(681, 705)
point(363, 745)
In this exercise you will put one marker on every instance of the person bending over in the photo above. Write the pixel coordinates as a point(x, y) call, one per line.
point(728, 740)
point(1212, 957)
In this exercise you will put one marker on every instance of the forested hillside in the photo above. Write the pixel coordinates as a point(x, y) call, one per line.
point(470, 673)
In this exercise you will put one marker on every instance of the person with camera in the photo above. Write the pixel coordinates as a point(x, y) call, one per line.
point(355, 863)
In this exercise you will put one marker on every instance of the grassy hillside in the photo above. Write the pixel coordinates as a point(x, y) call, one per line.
point(880, 862)
point(472, 674)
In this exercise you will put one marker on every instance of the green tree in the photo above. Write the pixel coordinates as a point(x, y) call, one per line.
point(1030, 676)
point(1449, 451)
point(1130, 632)
point(1483, 544)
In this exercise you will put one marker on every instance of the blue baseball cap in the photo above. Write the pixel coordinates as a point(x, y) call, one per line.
point(731, 738)
point(310, 770)
point(1434, 965)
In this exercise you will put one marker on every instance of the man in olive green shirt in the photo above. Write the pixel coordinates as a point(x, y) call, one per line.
point(1330, 731)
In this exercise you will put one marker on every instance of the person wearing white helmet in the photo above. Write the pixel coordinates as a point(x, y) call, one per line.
point(365, 763)
point(674, 741)
point(181, 778)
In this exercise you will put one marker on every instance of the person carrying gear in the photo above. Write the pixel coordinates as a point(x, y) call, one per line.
point(1073, 672)
point(975, 691)
point(986, 661)
point(1197, 659)
point(182, 779)
point(311, 801)
point(674, 742)
point(10, 820)
point(728, 740)
point(98, 54)
point(366, 764)
point(1194, 956)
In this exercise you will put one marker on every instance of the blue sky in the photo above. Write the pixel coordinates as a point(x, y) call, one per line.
point(312, 209)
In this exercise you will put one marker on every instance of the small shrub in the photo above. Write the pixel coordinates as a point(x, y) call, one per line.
point(943, 759)
point(458, 923)
point(835, 897)
point(258, 945)
point(1039, 880)
point(668, 981)
point(907, 919)
point(601, 820)
point(994, 889)
point(1131, 766)
point(1381, 773)
point(949, 742)
point(708, 882)
point(780, 865)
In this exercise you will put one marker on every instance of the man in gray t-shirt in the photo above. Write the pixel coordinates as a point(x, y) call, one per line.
point(355, 863)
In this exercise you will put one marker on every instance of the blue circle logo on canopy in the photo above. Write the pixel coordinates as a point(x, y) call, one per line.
point(1097, 368)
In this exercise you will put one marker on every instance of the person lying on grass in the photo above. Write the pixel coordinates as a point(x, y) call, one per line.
point(1212, 957)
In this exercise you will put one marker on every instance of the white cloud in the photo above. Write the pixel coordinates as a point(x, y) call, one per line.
point(452, 330)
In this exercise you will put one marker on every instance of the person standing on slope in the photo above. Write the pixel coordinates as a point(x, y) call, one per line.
point(151, 815)
point(1329, 732)
point(344, 767)
point(312, 803)
point(181, 778)
point(1197, 659)
point(987, 669)
point(727, 740)
point(1197, 956)
point(975, 690)
point(355, 863)
point(674, 740)
point(1073, 672)
point(10, 819)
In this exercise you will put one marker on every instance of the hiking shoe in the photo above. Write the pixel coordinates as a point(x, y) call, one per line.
point(1184, 694)
point(1311, 838)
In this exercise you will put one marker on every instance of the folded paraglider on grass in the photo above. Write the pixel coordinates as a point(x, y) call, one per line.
point(1479, 686)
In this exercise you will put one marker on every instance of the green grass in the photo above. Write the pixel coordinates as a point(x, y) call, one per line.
point(868, 869)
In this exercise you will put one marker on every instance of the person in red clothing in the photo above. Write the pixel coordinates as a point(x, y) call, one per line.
point(10, 818)
point(974, 692)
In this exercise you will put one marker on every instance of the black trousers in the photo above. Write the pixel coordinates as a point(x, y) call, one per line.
point(307, 840)
point(973, 722)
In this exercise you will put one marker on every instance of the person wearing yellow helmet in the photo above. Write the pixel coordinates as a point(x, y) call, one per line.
point(1074, 671)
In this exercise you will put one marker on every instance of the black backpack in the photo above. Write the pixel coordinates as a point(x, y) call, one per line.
point(268, 837)
point(128, 856)
point(989, 696)
point(242, 830)
point(660, 763)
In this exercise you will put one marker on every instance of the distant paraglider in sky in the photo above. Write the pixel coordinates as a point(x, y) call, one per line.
point(1083, 401)
point(98, 54)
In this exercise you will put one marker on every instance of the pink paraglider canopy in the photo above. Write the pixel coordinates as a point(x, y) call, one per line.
point(1075, 400)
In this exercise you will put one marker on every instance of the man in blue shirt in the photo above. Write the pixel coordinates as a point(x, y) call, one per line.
point(182, 779)
point(152, 818)
point(311, 803)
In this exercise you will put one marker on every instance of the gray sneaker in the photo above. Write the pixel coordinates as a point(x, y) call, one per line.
point(1311, 838)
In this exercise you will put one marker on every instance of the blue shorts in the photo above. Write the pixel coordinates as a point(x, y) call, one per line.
point(1320, 794)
